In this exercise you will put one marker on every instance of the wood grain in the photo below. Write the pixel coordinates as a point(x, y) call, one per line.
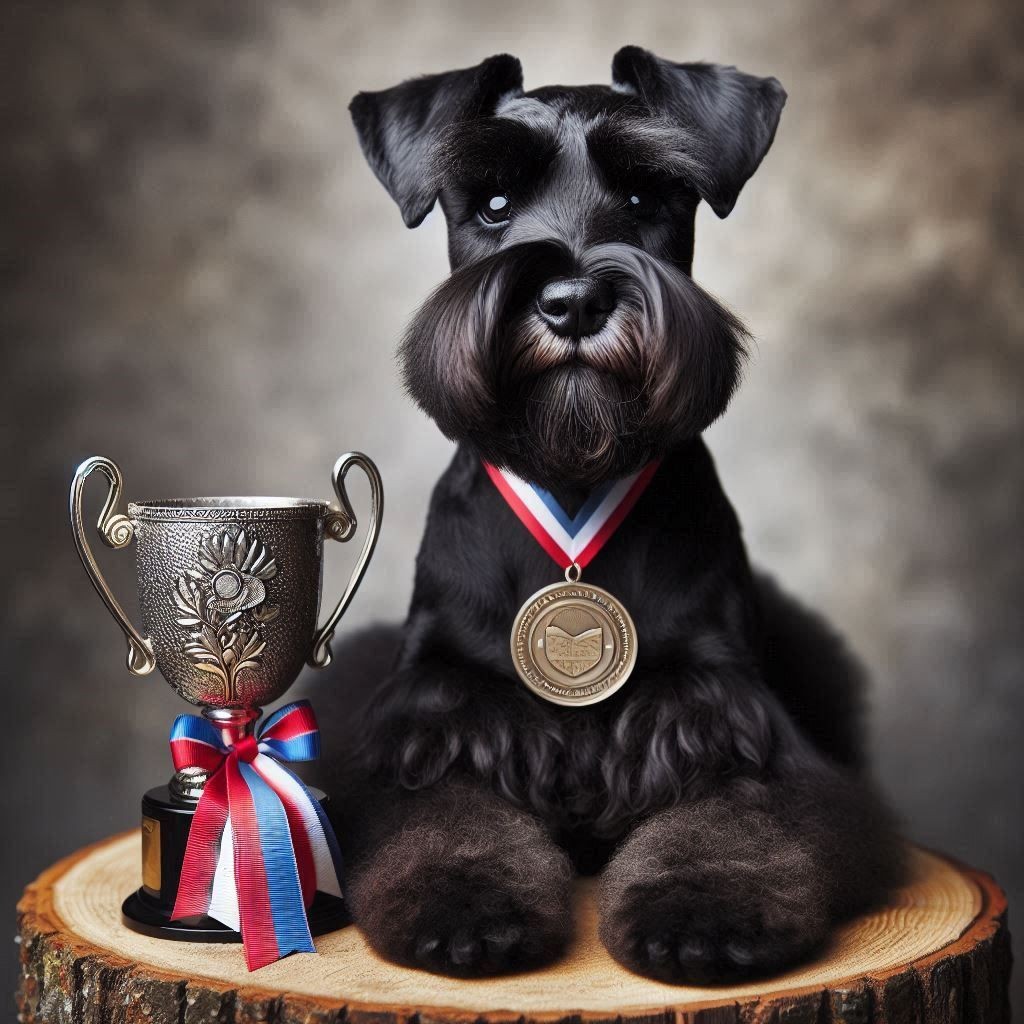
point(939, 953)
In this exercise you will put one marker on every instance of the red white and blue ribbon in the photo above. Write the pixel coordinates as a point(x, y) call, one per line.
point(260, 844)
point(572, 540)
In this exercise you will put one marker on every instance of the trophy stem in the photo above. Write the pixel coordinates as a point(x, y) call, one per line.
point(187, 784)
point(234, 724)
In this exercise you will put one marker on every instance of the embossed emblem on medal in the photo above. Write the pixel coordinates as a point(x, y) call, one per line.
point(573, 644)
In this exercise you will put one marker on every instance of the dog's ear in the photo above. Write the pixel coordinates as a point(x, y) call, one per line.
point(734, 115)
point(398, 126)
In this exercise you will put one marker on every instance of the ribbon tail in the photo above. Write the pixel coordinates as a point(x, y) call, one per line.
point(328, 872)
point(311, 830)
point(199, 865)
point(270, 904)
point(281, 781)
point(328, 868)
point(224, 895)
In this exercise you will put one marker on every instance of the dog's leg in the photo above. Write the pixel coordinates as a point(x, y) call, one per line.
point(748, 881)
point(460, 882)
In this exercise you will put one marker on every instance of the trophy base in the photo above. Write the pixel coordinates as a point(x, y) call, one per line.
point(326, 914)
point(166, 820)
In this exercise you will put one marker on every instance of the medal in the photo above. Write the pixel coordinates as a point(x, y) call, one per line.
point(573, 643)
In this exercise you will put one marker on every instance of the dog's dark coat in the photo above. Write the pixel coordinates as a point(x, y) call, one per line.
point(718, 793)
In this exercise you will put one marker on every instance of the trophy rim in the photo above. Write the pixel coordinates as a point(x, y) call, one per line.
point(228, 508)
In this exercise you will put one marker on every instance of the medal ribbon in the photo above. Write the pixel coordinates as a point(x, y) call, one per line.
point(260, 844)
point(572, 540)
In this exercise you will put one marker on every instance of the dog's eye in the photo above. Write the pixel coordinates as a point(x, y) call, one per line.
point(496, 209)
point(644, 205)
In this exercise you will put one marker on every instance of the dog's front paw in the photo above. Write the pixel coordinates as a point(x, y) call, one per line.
point(466, 897)
point(702, 895)
point(478, 929)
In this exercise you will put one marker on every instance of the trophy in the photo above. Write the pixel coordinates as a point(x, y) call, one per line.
point(229, 591)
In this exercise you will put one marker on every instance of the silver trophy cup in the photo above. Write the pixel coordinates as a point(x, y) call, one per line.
point(229, 592)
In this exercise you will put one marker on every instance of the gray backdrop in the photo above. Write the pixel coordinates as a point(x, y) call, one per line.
point(202, 279)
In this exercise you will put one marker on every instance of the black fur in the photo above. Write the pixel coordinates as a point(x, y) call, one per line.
point(719, 792)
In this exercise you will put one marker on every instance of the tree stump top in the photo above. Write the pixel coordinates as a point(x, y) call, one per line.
point(939, 952)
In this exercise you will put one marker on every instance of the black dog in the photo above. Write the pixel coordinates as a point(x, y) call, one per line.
point(718, 793)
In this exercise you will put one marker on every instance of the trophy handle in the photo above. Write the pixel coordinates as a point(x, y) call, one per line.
point(341, 525)
point(116, 531)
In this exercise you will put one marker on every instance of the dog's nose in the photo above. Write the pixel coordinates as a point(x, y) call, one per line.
point(574, 307)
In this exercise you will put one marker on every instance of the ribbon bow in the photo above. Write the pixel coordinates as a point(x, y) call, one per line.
point(260, 844)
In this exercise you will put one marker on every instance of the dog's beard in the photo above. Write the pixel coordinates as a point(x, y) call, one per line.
point(562, 412)
point(581, 425)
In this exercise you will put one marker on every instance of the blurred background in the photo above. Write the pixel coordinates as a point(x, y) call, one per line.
point(202, 279)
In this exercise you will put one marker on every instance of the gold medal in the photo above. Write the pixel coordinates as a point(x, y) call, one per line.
point(573, 643)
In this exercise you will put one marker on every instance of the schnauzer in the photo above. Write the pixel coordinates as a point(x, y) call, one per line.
point(720, 793)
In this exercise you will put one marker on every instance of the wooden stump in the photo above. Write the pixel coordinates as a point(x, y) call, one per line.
point(940, 953)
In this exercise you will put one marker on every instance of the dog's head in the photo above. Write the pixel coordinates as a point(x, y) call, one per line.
point(570, 343)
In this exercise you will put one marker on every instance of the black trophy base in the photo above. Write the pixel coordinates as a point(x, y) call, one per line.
point(326, 914)
point(166, 821)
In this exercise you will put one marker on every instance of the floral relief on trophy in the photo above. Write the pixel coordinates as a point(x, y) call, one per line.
point(224, 605)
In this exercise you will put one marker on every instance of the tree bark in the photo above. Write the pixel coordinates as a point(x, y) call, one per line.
point(939, 955)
